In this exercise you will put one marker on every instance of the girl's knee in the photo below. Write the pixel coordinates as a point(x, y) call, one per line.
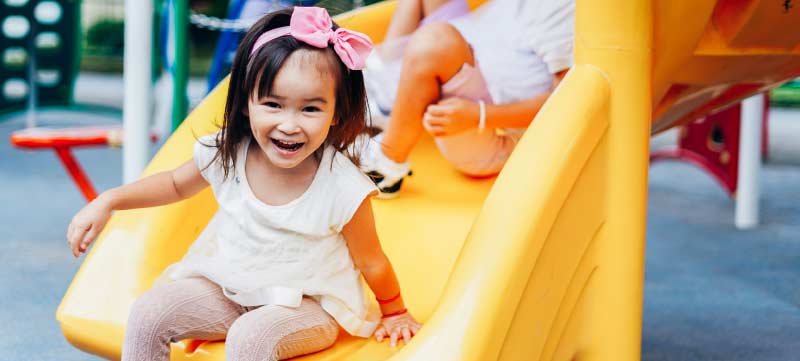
point(436, 43)
point(438, 35)
point(247, 341)
point(148, 315)
point(268, 334)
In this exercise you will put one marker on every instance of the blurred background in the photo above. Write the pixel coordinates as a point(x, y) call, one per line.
point(717, 287)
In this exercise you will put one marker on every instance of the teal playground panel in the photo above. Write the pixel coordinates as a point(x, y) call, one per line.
point(41, 38)
point(788, 95)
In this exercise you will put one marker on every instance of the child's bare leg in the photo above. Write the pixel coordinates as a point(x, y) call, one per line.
point(408, 15)
point(435, 54)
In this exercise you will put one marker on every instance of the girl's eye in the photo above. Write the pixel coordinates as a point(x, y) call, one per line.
point(272, 105)
point(311, 109)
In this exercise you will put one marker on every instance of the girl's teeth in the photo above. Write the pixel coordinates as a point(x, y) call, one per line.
point(287, 145)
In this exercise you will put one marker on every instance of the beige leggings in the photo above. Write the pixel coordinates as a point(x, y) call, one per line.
point(196, 308)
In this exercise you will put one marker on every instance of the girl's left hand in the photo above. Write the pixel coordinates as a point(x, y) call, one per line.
point(401, 325)
point(451, 116)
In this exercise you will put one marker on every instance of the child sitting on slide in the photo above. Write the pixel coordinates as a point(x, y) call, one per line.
point(474, 81)
point(278, 268)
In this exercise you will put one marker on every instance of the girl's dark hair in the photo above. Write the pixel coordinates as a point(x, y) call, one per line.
point(254, 76)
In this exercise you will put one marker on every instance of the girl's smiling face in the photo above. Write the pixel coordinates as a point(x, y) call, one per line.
point(293, 121)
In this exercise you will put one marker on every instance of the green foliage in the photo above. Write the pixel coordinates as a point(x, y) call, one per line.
point(106, 37)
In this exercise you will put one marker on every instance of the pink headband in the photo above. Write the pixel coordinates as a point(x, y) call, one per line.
point(312, 25)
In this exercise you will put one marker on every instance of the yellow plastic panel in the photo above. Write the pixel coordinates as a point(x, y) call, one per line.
point(720, 53)
point(746, 23)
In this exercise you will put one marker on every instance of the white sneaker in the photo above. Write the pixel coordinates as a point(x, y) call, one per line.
point(387, 174)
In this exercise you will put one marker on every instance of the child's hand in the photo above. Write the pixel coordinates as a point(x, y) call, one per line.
point(87, 224)
point(401, 325)
point(451, 116)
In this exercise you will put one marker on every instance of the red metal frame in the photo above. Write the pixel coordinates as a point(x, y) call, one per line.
point(63, 140)
point(75, 170)
point(719, 173)
point(712, 144)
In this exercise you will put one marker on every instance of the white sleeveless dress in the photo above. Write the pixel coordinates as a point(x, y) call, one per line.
point(262, 254)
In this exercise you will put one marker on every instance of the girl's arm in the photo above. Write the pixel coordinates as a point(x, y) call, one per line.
point(155, 190)
point(158, 189)
point(454, 115)
point(368, 257)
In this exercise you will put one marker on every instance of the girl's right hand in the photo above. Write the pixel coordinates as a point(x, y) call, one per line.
point(451, 116)
point(87, 224)
point(395, 327)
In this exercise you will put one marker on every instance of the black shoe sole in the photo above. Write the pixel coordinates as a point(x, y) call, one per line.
point(387, 192)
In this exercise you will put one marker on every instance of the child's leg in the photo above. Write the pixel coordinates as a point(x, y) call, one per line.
point(187, 308)
point(409, 14)
point(435, 54)
point(277, 332)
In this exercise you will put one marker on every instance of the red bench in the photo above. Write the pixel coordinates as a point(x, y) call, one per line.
point(62, 140)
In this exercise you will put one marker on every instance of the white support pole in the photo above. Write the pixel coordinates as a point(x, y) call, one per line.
point(137, 77)
point(747, 193)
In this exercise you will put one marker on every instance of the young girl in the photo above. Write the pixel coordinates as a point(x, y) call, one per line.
point(277, 267)
point(472, 80)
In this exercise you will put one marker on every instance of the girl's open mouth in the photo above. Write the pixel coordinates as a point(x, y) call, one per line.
point(286, 146)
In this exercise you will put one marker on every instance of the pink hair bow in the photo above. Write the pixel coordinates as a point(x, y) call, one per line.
point(312, 25)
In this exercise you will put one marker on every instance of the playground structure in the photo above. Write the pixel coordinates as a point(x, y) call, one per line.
point(63, 140)
point(712, 143)
point(721, 144)
point(786, 95)
point(545, 262)
point(39, 60)
point(39, 46)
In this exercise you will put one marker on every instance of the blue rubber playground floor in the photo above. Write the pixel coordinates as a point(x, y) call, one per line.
point(711, 292)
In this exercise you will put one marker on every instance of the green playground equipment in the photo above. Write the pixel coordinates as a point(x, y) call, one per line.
point(787, 95)
point(39, 46)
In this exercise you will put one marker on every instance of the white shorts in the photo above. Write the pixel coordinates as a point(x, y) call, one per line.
point(472, 152)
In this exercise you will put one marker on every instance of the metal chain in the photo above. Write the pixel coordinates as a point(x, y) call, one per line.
point(238, 25)
point(217, 24)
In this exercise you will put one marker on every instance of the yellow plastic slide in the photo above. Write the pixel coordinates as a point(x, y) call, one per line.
point(543, 263)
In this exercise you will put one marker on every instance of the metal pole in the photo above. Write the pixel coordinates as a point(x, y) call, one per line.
point(747, 193)
point(33, 94)
point(180, 23)
point(137, 75)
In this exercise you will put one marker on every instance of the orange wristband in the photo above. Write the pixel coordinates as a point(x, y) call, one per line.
point(390, 300)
